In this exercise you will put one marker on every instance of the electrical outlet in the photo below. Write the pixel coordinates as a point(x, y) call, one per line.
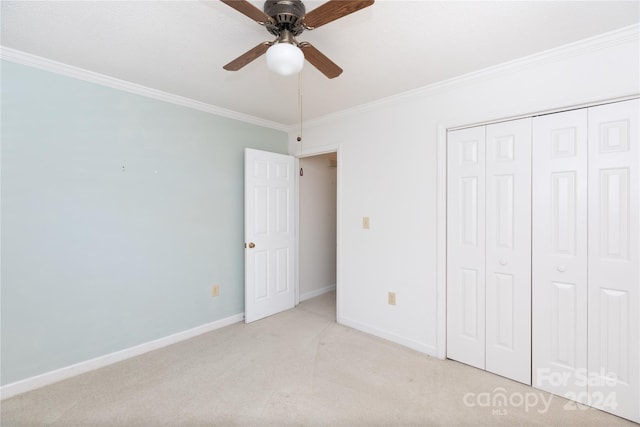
point(392, 298)
point(215, 291)
point(365, 222)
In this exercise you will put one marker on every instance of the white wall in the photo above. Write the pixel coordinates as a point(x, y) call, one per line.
point(392, 170)
point(317, 219)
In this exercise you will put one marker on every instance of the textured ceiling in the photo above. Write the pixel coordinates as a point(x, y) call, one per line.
point(391, 47)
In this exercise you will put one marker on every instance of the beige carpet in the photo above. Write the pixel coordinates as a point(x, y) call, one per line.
point(298, 368)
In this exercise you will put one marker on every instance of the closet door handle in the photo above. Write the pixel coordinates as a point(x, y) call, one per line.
point(503, 261)
point(561, 268)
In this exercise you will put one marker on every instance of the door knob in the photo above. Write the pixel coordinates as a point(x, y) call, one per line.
point(562, 268)
point(503, 261)
point(252, 245)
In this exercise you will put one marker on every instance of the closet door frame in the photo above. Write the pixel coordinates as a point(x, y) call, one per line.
point(443, 128)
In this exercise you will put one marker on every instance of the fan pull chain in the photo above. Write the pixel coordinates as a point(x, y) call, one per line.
point(299, 138)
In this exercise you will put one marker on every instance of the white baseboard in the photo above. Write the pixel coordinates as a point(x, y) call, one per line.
point(317, 292)
point(407, 342)
point(51, 377)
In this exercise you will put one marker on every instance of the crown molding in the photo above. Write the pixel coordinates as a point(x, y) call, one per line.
point(616, 37)
point(24, 58)
point(609, 39)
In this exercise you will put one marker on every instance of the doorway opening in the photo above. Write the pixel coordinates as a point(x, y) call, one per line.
point(317, 228)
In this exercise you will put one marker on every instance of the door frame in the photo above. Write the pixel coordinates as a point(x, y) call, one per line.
point(310, 152)
point(442, 127)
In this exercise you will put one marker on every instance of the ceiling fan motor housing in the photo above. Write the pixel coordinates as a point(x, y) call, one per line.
point(286, 15)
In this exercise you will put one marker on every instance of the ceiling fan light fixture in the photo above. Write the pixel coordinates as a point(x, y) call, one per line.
point(285, 59)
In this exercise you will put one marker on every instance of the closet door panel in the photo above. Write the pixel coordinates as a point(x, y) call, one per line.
point(465, 246)
point(614, 259)
point(508, 249)
point(559, 276)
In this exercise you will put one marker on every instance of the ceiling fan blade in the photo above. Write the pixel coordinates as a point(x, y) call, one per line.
point(318, 60)
point(246, 8)
point(332, 10)
point(247, 57)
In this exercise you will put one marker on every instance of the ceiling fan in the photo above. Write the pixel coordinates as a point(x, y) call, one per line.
point(286, 19)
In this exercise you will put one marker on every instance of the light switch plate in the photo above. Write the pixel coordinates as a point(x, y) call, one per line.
point(365, 222)
point(392, 298)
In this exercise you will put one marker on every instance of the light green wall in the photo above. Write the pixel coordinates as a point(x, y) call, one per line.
point(119, 213)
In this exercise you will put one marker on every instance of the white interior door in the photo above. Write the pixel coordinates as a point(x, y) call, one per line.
point(586, 241)
point(466, 246)
point(269, 234)
point(559, 282)
point(508, 249)
point(614, 259)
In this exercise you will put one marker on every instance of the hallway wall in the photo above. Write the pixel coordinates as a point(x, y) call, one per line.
point(317, 213)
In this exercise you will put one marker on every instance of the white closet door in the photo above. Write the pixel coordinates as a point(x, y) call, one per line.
point(508, 249)
point(559, 282)
point(466, 246)
point(614, 258)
